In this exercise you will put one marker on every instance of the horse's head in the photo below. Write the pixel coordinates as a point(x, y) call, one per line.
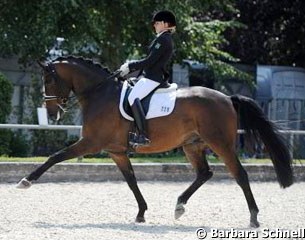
point(80, 75)
point(56, 89)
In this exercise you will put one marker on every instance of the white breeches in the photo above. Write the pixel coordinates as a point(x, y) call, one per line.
point(142, 88)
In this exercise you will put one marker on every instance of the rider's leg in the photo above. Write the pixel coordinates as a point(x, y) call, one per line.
point(139, 117)
point(142, 88)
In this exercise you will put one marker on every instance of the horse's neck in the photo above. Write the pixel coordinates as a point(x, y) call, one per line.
point(102, 98)
point(95, 88)
point(89, 86)
point(84, 82)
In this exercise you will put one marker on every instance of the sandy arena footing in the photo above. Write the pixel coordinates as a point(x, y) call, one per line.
point(106, 210)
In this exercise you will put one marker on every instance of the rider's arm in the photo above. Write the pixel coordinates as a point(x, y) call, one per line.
point(156, 52)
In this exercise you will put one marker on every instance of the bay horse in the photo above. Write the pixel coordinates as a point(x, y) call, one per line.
point(201, 118)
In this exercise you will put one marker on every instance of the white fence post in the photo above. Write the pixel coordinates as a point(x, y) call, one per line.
point(291, 140)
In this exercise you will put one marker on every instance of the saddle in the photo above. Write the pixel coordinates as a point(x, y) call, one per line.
point(159, 103)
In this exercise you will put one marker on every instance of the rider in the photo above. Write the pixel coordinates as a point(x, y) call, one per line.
point(152, 70)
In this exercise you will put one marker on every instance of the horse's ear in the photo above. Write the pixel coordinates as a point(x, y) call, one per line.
point(42, 64)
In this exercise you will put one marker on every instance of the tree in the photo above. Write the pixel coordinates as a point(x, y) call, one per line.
point(275, 32)
point(111, 30)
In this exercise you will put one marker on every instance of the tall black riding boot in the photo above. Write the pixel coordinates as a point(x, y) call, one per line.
point(139, 117)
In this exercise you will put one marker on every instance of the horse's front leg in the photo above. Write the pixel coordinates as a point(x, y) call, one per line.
point(124, 165)
point(80, 148)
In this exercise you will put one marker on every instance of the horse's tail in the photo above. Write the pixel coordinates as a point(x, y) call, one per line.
point(255, 123)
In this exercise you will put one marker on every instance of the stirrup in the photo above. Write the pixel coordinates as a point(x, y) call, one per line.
point(138, 140)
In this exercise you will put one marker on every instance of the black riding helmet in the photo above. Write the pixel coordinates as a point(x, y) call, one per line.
point(165, 16)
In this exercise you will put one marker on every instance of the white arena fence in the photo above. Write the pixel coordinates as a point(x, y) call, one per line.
point(292, 133)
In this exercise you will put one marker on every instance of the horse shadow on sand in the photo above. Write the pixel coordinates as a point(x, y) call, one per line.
point(134, 227)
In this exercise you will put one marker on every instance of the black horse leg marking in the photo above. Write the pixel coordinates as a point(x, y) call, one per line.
point(195, 154)
point(243, 181)
point(125, 166)
point(79, 148)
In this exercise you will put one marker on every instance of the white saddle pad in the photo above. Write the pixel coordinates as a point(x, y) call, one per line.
point(162, 102)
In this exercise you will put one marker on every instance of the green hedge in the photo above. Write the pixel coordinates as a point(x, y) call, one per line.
point(6, 90)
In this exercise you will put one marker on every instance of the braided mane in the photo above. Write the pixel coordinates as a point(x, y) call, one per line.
point(85, 61)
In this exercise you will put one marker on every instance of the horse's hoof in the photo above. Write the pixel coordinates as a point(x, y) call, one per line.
point(254, 224)
point(179, 211)
point(24, 184)
point(140, 219)
point(253, 219)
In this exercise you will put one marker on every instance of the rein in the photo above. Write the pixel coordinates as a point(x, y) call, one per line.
point(114, 74)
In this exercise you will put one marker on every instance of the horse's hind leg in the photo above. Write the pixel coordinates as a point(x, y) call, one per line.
point(195, 154)
point(124, 165)
point(243, 181)
point(239, 173)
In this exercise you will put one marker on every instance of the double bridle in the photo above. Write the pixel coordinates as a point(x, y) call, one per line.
point(61, 100)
